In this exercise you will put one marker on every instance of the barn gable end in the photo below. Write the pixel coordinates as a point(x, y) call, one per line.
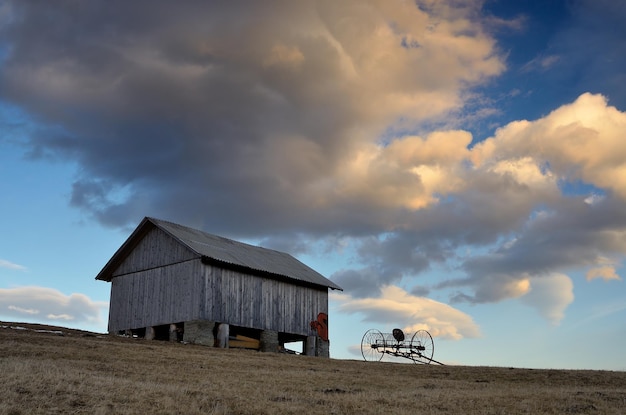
point(157, 296)
point(155, 249)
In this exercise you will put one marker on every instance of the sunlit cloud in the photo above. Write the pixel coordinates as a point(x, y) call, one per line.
point(606, 273)
point(397, 308)
point(578, 141)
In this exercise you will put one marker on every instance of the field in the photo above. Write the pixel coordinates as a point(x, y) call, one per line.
point(45, 370)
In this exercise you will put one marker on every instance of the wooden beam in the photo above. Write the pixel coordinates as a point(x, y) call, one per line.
point(244, 342)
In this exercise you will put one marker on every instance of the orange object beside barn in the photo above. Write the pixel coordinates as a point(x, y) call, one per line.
point(321, 326)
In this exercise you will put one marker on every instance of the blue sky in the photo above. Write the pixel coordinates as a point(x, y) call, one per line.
point(458, 167)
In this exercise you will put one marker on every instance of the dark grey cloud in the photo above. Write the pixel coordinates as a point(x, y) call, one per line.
point(569, 235)
point(146, 106)
point(492, 207)
point(364, 282)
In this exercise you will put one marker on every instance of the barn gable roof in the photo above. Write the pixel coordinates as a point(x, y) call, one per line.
point(221, 252)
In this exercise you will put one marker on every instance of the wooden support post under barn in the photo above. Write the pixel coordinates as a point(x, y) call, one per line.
point(169, 282)
point(222, 335)
point(309, 347)
point(269, 341)
point(173, 334)
point(322, 348)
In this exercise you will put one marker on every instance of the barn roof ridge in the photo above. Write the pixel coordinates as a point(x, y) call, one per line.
point(221, 250)
point(222, 238)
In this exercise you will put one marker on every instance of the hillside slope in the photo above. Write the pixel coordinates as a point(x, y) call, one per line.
point(56, 370)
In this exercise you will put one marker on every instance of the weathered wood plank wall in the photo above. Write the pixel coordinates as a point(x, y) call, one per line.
point(162, 282)
point(164, 295)
point(155, 249)
point(257, 302)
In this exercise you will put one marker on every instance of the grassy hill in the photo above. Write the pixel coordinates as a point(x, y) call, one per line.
point(57, 370)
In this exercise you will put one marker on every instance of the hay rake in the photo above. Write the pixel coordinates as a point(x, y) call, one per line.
point(419, 349)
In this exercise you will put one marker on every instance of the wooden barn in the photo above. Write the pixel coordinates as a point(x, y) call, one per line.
point(172, 282)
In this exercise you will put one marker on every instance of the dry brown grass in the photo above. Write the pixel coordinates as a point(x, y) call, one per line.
point(82, 373)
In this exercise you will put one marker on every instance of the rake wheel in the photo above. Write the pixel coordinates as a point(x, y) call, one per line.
point(372, 345)
point(422, 347)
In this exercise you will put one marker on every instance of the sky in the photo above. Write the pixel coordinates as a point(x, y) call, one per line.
point(455, 166)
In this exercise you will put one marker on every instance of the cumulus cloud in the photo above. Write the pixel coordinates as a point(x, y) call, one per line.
point(47, 305)
point(606, 273)
point(578, 141)
point(550, 295)
point(396, 307)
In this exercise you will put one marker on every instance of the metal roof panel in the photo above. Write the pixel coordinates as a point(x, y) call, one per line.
point(242, 254)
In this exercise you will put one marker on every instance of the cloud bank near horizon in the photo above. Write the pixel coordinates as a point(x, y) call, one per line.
point(315, 122)
point(50, 306)
point(404, 310)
